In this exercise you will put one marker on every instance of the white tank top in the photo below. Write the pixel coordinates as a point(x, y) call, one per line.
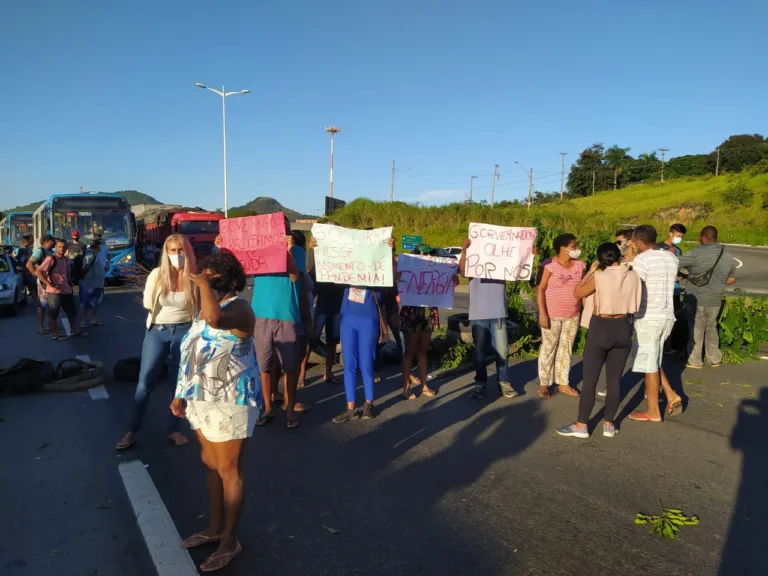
point(173, 309)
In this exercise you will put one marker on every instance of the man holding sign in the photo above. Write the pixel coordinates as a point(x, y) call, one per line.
point(490, 257)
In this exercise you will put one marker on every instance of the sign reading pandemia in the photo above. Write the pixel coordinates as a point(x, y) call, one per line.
point(351, 256)
point(500, 252)
point(258, 242)
point(426, 280)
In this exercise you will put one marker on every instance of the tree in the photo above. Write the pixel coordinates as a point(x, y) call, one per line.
point(739, 151)
point(616, 157)
point(590, 167)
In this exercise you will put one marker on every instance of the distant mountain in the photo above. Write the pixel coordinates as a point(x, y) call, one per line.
point(266, 205)
point(132, 196)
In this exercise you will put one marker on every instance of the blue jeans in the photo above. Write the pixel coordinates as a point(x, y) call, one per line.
point(359, 339)
point(159, 340)
point(482, 331)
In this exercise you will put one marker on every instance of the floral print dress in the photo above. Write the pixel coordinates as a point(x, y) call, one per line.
point(219, 379)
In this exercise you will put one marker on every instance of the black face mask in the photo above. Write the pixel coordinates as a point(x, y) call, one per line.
point(220, 286)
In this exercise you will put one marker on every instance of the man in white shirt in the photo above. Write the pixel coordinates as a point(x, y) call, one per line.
point(654, 321)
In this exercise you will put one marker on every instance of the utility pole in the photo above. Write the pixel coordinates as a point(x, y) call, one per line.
point(81, 189)
point(493, 185)
point(530, 189)
point(562, 174)
point(332, 130)
point(663, 151)
point(392, 184)
point(593, 182)
point(471, 185)
point(717, 166)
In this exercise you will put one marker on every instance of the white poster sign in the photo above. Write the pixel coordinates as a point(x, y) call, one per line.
point(500, 252)
point(353, 257)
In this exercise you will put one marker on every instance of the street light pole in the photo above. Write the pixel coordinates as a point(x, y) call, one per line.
point(223, 95)
point(530, 183)
point(332, 130)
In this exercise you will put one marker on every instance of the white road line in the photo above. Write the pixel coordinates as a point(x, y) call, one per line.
point(99, 392)
point(334, 396)
point(155, 523)
point(408, 438)
point(740, 263)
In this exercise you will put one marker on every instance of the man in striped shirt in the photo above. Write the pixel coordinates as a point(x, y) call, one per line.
point(703, 303)
point(654, 321)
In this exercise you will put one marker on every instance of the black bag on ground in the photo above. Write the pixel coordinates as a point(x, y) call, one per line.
point(26, 376)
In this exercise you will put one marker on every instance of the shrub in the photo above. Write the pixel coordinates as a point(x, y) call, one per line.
point(759, 168)
point(737, 195)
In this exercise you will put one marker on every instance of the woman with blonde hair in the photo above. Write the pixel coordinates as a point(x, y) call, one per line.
point(172, 299)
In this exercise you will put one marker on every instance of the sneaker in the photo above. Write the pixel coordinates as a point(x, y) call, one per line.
point(602, 393)
point(694, 366)
point(346, 416)
point(506, 390)
point(478, 390)
point(572, 430)
point(609, 430)
point(369, 411)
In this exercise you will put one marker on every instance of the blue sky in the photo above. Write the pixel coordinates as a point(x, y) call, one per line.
point(102, 94)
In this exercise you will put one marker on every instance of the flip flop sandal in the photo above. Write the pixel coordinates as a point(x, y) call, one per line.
point(300, 407)
point(568, 391)
point(545, 393)
point(408, 395)
point(642, 417)
point(79, 334)
point(97, 323)
point(180, 439)
point(264, 420)
point(219, 561)
point(291, 424)
point(199, 540)
point(60, 338)
point(675, 409)
point(43, 332)
point(428, 392)
point(125, 445)
point(332, 380)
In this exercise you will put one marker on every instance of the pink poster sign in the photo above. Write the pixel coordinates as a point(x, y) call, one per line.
point(258, 242)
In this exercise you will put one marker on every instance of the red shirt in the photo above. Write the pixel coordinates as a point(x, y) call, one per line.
point(561, 303)
point(57, 271)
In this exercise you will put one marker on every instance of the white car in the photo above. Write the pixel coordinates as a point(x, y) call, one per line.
point(454, 251)
point(12, 292)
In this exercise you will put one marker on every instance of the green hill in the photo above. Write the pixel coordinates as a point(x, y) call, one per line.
point(265, 205)
point(736, 203)
point(132, 196)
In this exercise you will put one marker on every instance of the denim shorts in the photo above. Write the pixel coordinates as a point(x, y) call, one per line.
point(90, 297)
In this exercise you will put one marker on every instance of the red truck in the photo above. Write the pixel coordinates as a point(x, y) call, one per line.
point(200, 228)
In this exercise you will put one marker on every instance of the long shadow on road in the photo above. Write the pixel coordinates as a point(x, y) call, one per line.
point(745, 550)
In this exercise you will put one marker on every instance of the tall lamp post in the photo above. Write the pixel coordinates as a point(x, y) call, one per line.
point(332, 130)
point(223, 95)
point(530, 182)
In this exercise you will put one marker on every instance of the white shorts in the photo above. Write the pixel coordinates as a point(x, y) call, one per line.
point(220, 422)
point(648, 345)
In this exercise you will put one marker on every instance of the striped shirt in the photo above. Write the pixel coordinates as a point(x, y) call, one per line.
point(561, 303)
point(658, 271)
point(698, 261)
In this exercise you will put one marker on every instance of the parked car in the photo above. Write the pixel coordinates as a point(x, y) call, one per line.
point(12, 291)
point(452, 251)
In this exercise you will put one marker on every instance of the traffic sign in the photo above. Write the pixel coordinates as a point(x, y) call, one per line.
point(409, 241)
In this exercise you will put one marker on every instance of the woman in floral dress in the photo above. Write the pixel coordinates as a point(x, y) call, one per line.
point(219, 392)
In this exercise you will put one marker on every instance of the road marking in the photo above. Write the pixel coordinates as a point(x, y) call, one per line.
point(408, 438)
point(740, 263)
point(157, 527)
point(98, 392)
point(334, 396)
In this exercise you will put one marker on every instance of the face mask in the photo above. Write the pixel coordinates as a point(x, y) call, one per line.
point(676, 240)
point(574, 253)
point(177, 260)
point(623, 248)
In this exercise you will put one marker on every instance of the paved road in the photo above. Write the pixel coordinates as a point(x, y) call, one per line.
point(434, 486)
point(752, 268)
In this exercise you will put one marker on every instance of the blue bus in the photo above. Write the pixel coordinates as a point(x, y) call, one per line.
point(13, 227)
point(92, 214)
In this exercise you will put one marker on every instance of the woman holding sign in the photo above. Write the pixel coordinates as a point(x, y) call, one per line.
point(361, 319)
point(559, 313)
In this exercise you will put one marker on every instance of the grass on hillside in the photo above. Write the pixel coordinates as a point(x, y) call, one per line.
point(737, 204)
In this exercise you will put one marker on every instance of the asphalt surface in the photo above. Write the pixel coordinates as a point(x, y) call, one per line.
point(752, 268)
point(439, 486)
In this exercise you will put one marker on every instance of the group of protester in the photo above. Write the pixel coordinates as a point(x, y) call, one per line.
point(51, 273)
point(229, 357)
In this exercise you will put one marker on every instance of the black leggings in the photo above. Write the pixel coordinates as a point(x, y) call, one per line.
point(609, 342)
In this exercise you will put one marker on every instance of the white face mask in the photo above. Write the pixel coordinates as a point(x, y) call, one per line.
point(177, 260)
point(676, 240)
point(574, 253)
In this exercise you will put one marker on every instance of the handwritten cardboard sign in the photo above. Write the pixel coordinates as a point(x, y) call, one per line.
point(258, 242)
point(353, 257)
point(426, 280)
point(500, 252)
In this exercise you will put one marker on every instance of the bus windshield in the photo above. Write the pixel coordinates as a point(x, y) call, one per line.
point(114, 228)
point(19, 225)
point(199, 227)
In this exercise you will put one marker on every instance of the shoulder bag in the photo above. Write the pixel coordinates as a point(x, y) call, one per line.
point(704, 278)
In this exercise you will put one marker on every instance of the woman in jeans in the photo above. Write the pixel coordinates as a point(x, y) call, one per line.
point(172, 300)
point(559, 314)
point(615, 293)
